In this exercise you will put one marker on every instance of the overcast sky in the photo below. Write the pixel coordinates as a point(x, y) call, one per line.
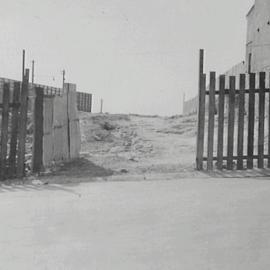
point(140, 56)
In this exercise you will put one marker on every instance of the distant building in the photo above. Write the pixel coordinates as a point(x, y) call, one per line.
point(258, 37)
point(257, 56)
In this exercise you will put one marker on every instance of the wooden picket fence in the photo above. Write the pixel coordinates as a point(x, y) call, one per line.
point(84, 102)
point(13, 107)
point(243, 124)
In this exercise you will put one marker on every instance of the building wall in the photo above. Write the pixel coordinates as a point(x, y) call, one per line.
point(258, 36)
point(237, 69)
point(190, 106)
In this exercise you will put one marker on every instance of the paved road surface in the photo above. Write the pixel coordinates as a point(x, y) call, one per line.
point(185, 224)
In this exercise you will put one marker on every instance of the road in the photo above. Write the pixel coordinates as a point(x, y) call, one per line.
point(144, 225)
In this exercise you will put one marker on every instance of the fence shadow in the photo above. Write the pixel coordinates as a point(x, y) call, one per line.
point(244, 174)
point(82, 167)
point(68, 174)
point(17, 187)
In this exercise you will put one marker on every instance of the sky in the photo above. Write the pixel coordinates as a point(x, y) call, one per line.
point(138, 56)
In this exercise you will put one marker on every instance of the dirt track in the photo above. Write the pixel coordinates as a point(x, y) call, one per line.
point(133, 147)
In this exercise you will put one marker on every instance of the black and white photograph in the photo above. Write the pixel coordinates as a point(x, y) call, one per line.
point(135, 135)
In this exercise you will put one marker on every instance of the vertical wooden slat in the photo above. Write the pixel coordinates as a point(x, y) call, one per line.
point(78, 101)
point(88, 103)
point(201, 123)
point(211, 121)
point(23, 126)
point(87, 96)
point(221, 103)
point(91, 102)
point(231, 118)
point(85, 102)
point(201, 113)
point(82, 101)
point(241, 123)
point(14, 129)
point(269, 126)
point(80, 104)
point(37, 157)
point(251, 119)
point(261, 121)
point(4, 132)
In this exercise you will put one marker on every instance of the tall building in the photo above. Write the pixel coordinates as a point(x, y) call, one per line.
point(257, 57)
point(258, 37)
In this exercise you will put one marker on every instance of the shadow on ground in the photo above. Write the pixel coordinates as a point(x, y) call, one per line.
point(26, 186)
point(255, 173)
point(80, 168)
point(73, 172)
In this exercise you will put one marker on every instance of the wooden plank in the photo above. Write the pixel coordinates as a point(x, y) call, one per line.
point(78, 101)
point(241, 123)
point(201, 123)
point(88, 103)
point(268, 165)
point(261, 121)
point(37, 150)
point(11, 105)
point(91, 102)
point(85, 102)
point(4, 132)
point(231, 119)
point(245, 157)
point(211, 121)
point(201, 113)
point(201, 62)
point(251, 120)
point(221, 103)
point(14, 130)
point(81, 101)
point(237, 92)
point(23, 126)
point(48, 134)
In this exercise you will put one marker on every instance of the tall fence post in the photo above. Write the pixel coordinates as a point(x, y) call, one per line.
point(4, 132)
point(221, 104)
point(261, 121)
point(251, 120)
point(211, 121)
point(241, 122)
point(201, 114)
point(37, 150)
point(23, 125)
point(231, 119)
point(14, 129)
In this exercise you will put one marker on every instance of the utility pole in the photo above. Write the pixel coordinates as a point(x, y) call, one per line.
point(33, 71)
point(64, 77)
point(101, 106)
point(23, 64)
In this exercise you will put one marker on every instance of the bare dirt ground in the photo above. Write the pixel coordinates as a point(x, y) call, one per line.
point(138, 144)
point(118, 147)
point(135, 147)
